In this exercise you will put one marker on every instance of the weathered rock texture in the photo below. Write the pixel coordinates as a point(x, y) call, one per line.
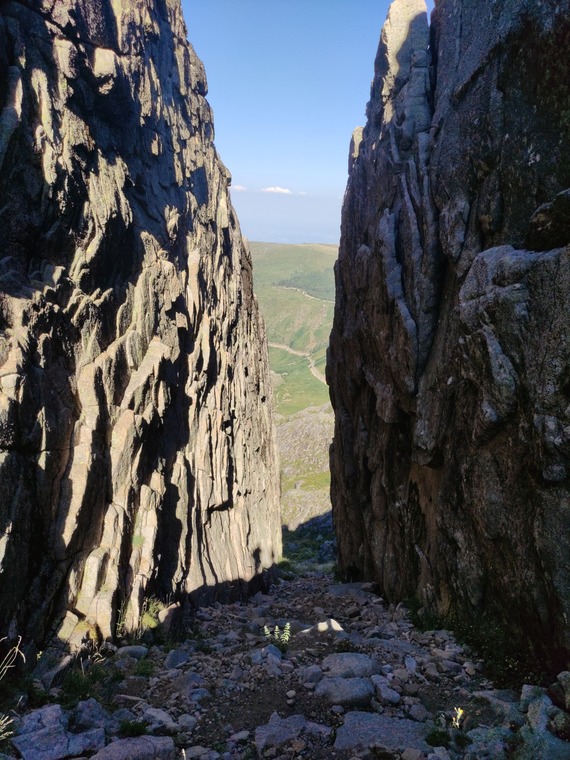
point(136, 446)
point(450, 352)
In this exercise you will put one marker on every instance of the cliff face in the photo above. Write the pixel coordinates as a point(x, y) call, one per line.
point(449, 359)
point(136, 446)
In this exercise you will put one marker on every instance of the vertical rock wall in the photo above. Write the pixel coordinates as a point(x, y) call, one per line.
point(136, 445)
point(449, 360)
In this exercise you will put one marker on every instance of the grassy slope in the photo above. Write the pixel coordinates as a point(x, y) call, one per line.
point(294, 285)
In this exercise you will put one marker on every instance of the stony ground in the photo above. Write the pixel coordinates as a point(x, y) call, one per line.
point(356, 680)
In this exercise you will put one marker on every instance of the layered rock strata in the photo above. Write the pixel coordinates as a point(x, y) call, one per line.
point(449, 359)
point(137, 452)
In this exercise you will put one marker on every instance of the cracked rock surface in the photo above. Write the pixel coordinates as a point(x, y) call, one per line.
point(137, 453)
point(449, 356)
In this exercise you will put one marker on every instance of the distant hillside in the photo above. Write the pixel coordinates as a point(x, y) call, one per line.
point(294, 285)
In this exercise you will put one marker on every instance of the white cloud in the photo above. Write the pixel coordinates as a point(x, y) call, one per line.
point(282, 190)
point(239, 188)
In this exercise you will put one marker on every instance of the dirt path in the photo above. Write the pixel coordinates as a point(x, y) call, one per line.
point(353, 679)
point(314, 371)
point(304, 292)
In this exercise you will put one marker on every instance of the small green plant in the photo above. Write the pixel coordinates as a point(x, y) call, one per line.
point(421, 617)
point(80, 682)
point(147, 621)
point(508, 656)
point(286, 568)
point(438, 737)
point(279, 637)
point(249, 753)
point(149, 615)
point(130, 728)
point(345, 645)
point(200, 643)
point(121, 625)
point(7, 664)
point(75, 687)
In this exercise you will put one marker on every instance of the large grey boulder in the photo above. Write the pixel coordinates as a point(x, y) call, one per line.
point(139, 748)
point(362, 730)
point(136, 443)
point(350, 664)
point(348, 692)
point(44, 735)
point(449, 358)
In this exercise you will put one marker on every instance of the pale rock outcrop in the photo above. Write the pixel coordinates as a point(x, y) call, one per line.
point(449, 360)
point(137, 452)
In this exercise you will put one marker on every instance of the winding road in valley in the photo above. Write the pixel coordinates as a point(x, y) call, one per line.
point(314, 371)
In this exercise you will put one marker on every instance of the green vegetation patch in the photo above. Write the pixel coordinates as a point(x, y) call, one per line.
point(317, 284)
point(294, 285)
point(300, 389)
point(308, 481)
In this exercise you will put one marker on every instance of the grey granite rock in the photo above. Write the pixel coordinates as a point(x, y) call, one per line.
point(55, 743)
point(159, 721)
point(349, 664)
point(139, 748)
point(136, 439)
point(278, 731)
point(175, 658)
point(90, 714)
point(363, 730)
point(386, 695)
point(448, 360)
point(348, 692)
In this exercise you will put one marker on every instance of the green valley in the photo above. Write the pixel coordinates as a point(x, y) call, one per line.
point(294, 285)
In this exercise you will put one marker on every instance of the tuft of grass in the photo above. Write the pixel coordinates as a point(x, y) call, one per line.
point(37, 697)
point(148, 619)
point(79, 684)
point(7, 664)
point(200, 642)
point(508, 663)
point(438, 737)
point(149, 615)
point(75, 687)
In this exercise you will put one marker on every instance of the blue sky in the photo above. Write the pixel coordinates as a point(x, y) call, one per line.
point(288, 82)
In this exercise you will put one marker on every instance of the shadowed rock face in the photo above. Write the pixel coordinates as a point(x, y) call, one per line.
point(449, 360)
point(136, 445)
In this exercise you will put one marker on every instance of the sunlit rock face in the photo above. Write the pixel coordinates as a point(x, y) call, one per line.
point(449, 359)
point(136, 446)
